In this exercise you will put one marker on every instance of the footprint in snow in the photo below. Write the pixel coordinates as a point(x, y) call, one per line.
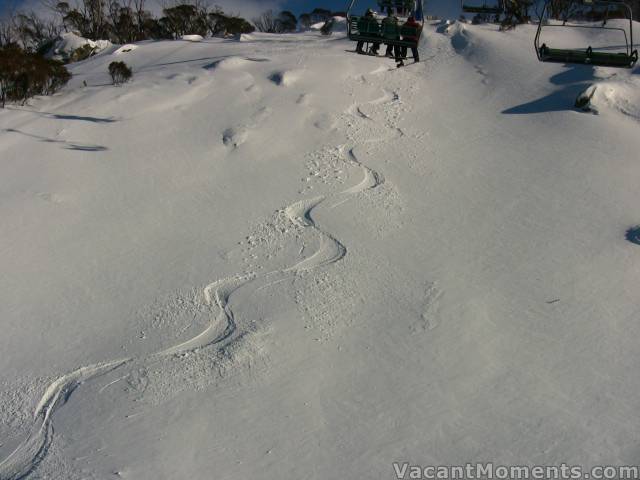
point(325, 122)
point(235, 136)
point(303, 99)
point(285, 78)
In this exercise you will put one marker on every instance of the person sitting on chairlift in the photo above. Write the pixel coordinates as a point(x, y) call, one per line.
point(392, 20)
point(364, 25)
point(411, 23)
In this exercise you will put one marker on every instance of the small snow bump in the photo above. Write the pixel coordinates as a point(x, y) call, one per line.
point(192, 38)
point(125, 49)
point(229, 63)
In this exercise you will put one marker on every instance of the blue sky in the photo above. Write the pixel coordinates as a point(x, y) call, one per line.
point(445, 8)
point(250, 8)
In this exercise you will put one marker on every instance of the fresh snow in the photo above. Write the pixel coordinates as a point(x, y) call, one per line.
point(273, 258)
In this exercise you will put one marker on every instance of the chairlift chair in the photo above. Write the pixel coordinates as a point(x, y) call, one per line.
point(370, 31)
point(484, 8)
point(590, 55)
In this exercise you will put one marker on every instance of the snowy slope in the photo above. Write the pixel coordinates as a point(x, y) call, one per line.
point(271, 258)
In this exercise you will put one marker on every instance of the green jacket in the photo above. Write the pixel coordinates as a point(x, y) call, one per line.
point(368, 25)
point(390, 29)
point(386, 4)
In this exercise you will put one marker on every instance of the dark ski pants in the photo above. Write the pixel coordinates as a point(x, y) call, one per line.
point(374, 48)
point(414, 51)
point(394, 51)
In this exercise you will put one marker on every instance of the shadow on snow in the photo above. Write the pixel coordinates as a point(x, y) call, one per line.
point(574, 80)
point(67, 145)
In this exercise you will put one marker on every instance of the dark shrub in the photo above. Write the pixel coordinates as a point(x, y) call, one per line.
point(238, 25)
point(185, 19)
point(305, 20)
point(320, 15)
point(516, 13)
point(120, 72)
point(583, 101)
point(24, 75)
point(223, 25)
point(287, 22)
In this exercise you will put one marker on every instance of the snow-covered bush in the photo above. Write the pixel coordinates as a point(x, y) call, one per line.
point(70, 47)
point(619, 95)
point(583, 101)
point(82, 53)
point(339, 24)
point(120, 72)
point(327, 28)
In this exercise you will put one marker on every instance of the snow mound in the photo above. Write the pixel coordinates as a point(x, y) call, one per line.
point(125, 49)
point(245, 37)
point(192, 38)
point(230, 63)
point(69, 42)
point(622, 96)
point(459, 36)
point(285, 78)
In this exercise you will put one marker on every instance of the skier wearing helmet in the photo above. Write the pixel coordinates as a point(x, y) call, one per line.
point(368, 24)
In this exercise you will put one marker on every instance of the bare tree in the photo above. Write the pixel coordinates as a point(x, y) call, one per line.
point(267, 22)
point(7, 31)
point(141, 15)
point(305, 20)
point(516, 13)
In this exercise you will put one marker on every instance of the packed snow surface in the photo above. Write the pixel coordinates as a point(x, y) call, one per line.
point(274, 258)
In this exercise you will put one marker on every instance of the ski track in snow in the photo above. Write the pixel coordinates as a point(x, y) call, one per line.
point(27, 456)
point(222, 329)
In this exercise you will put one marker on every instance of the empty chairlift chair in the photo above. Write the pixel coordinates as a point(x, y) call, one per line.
point(484, 8)
point(597, 19)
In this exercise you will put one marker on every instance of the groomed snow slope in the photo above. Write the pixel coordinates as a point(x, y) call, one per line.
point(276, 259)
